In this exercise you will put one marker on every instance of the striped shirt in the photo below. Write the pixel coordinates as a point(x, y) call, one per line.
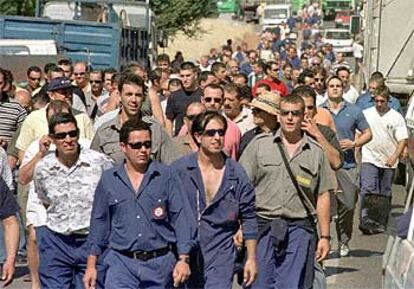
point(12, 114)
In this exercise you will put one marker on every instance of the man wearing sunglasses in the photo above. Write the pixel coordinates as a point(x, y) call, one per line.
point(292, 180)
point(141, 215)
point(97, 95)
point(221, 198)
point(272, 79)
point(213, 99)
point(65, 184)
point(106, 140)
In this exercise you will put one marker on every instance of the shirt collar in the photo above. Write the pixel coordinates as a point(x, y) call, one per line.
point(305, 139)
point(229, 172)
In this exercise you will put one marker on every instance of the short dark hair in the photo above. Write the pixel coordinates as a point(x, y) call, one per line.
point(305, 91)
point(334, 77)
point(201, 121)
point(216, 66)
point(215, 86)
point(305, 73)
point(65, 61)
point(241, 75)
point(109, 70)
point(60, 118)
point(203, 76)
point(163, 57)
point(155, 74)
point(233, 89)
point(187, 65)
point(33, 69)
point(133, 124)
point(293, 99)
point(342, 68)
point(49, 67)
point(246, 93)
point(97, 71)
point(130, 78)
point(265, 86)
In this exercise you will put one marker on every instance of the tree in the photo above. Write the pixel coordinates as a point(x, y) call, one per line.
point(182, 15)
point(171, 15)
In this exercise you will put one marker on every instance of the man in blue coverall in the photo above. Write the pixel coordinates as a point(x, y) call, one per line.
point(141, 216)
point(221, 198)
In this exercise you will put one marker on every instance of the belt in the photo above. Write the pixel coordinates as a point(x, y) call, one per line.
point(146, 255)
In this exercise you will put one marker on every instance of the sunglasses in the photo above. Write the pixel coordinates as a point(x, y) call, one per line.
point(213, 132)
point(35, 78)
point(318, 79)
point(298, 112)
point(215, 99)
point(138, 145)
point(79, 74)
point(63, 135)
point(191, 117)
point(95, 81)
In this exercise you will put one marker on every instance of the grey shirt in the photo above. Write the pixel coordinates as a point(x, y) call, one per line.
point(106, 140)
point(276, 195)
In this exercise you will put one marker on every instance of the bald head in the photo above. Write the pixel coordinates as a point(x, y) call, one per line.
point(23, 97)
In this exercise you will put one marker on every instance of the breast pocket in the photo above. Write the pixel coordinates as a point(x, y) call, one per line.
point(118, 207)
point(158, 206)
point(228, 211)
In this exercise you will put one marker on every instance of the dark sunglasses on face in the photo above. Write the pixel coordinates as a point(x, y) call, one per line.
point(79, 74)
point(62, 135)
point(215, 99)
point(35, 78)
point(318, 79)
point(293, 112)
point(138, 145)
point(191, 117)
point(212, 132)
point(95, 81)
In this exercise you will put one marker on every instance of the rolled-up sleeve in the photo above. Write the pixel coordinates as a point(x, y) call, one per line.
point(100, 221)
point(248, 211)
point(181, 216)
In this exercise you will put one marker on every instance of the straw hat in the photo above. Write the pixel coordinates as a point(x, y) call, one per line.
point(268, 102)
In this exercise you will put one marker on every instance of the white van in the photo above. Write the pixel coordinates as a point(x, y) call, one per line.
point(274, 15)
point(27, 47)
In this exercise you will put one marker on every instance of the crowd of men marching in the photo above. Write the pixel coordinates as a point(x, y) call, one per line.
point(192, 172)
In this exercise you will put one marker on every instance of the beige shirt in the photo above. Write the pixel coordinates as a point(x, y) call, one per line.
point(35, 126)
point(276, 195)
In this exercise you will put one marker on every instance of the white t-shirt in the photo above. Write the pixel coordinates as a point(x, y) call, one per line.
point(35, 210)
point(387, 131)
point(351, 94)
point(357, 50)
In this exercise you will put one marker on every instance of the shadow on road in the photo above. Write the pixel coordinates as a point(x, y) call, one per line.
point(330, 271)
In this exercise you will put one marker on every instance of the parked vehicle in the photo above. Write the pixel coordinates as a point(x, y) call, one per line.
point(331, 7)
point(274, 15)
point(229, 7)
point(106, 33)
point(343, 18)
point(340, 39)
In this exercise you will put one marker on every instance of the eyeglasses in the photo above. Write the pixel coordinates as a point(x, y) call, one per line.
point(35, 78)
point(298, 112)
point(79, 73)
point(215, 99)
point(213, 132)
point(63, 135)
point(95, 81)
point(138, 145)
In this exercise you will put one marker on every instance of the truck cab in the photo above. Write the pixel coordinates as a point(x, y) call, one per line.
point(274, 15)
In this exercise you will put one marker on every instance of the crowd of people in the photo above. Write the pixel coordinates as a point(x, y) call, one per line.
point(191, 172)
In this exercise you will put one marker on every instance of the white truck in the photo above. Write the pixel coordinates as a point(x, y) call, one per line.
point(274, 15)
point(389, 48)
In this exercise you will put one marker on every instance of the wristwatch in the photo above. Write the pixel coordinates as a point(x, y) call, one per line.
point(325, 237)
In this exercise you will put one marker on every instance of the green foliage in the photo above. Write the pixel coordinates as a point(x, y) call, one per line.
point(17, 7)
point(182, 15)
point(171, 15)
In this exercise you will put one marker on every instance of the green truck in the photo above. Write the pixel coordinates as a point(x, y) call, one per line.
point(229, 7)
point(330, 7)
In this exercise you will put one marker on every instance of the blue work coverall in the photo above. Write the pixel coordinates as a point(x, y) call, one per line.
point(213, 262)
point(157, 216)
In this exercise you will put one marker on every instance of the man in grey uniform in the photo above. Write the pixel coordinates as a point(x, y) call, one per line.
point(288, 202)
point(106, 139)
